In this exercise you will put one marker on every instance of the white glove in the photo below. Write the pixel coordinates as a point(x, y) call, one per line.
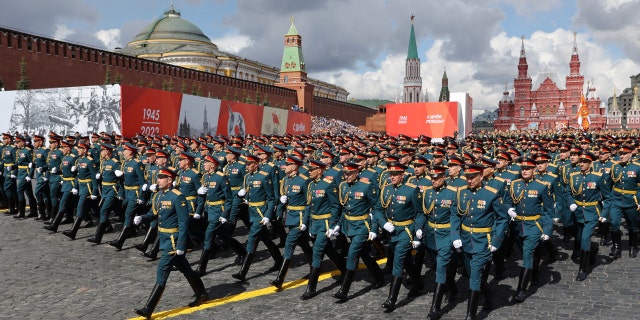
point(419, 233)
point(9, 168)
point(492, 248)
point(573, 207)
point(242, 192)
point(544, 237)
point(98, 176)
point(118, 173)
point(372, 236)
point(415, 244)
point(153, 187)
point(512, 213)
point(388, 226)
point(73, 168)
point(329, 233)
point(30, 165)
point(1, 173)
point(144, 187)
point(179, 252)
point(74, 191)
point(137, 220)
point(556, 220)
point(27, 178)
point(196, 216)
point(336, 230)
point(303, 227)
point(284, 199)
point(202, 190)
point(603, 219)
point(139, 201)
point(43, 178)
point(39, 169)
point(54, 170)
point(93, 197)
point(12, 176)
point(265, 221)
point(222, 220)
point(457, 244)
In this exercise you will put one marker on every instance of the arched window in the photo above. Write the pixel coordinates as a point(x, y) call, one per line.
point(522, 111)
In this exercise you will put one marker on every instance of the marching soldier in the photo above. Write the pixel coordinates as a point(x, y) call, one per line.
point(40, 155)
point(68, 199)
point(10, 171)
point(85, 187)
point(169, 207)
point(624, 177)
point(188, 182)
point(588, 196)
point(532, 213)
point(216, 206)
point(322, 211)
point(53, 175)
point(293, 190)
point(357, 200)
point(258, 191)
point(23, 178)
point(400, 202)
point(109, 189)
point(433, 227)
point(478, 229)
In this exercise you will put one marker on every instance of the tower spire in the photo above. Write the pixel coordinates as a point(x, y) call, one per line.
point(574, 64)
point(412, 80)
point(523, 67)
point(522, 55)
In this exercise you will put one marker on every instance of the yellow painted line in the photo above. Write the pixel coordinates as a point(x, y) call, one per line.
point(246, 295)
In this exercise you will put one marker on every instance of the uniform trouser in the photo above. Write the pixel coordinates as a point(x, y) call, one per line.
point(11, 191)
point(585, 231)
point(359, 247)
point(296, 237)
point(476, 264)
point(630, 214)
point(401, 242)
point(565, 215)
point(130, 197)
point(67, 203)
point(55, 194)
point(167, 261)
point(42, 191)
point(82, 208)
point(321, 245)
point(528, 244)
point(258, 231)
point(443, 259)
point(24, 187)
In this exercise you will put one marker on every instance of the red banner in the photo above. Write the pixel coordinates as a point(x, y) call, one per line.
point(434, 119)
point(149, 111)
point(298, 123)
point(239, 119)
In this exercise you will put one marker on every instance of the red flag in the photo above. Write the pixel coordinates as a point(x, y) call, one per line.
point(583, 114)
point(275, 119)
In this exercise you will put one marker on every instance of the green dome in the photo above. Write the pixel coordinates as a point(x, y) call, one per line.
point(171, 26)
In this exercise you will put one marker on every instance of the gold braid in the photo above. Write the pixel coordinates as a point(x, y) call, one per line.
point(426, 210)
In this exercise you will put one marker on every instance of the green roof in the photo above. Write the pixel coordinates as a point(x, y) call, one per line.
point(292, 30)
point(171, 26)
point(413, 48)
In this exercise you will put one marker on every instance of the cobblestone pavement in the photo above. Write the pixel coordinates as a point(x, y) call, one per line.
point(48, 276)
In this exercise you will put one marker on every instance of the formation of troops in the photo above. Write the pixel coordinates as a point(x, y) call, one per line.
point(467, 205)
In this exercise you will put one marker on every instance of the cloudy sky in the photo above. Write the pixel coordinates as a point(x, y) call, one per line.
point(361, 45)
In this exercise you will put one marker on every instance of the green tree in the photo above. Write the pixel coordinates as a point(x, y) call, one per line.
point(141, 82)
point(226, 95)
point(107, 77)
point(183, 88)
point(23, 82)
point(266, 100)
point(118, 78)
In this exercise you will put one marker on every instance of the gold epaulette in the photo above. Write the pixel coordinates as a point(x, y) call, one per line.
point(327, 180)
point(411, 185)
point(574, 173)
point(366, 182)
point(90, 158)
point(552, 174)
point(114, 160)
point(462, 188)
point(369, 169)
point(176, 191)
point(491, 189)
point(452, 188)
point(304, 177)
point(220, 173)
point(501, 179)
point(546, 183)
point(263, 173)
point(597, 173)
point(194, 170)
point(240, 162)
point(430, 187)
point(513, 171)
point(516, 180)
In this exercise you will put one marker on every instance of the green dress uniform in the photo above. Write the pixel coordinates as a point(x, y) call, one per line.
point(170, 208)
point(43, 200)
point(10, 171)
point(109, 184)
point(624, 179)
point(68, 199)
point(53, 175)
point(86, 188)
point(24, 163)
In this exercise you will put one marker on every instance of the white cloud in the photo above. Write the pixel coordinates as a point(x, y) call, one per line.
point(62, 32)
point(110, 38)
point(233, 43)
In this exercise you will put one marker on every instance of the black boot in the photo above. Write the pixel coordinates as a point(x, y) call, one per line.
point(282, 274)
point(388, 267)
point(152, 253)
point(472, 305)
point(566, 234)
point(390, 303)
point(149, 237)
point(633, 244)
point(523, 283)
point(120, 241)
point(198, 289)
point(245, 268)
point(604, 233)
point(311, 286)
point(343, 293)
point(53, 227)
point(552, 251)
point(451, 281)
point(375, 270)
point(97, 238)
point(584, 265)
point(71, 233)
point(204, 260)
point(42, 215)
point(147, 311)
point(435, 312)
point(21, 209)
point(416, 280)
point(275, 254)
point(33, 208)
point(616, 249)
